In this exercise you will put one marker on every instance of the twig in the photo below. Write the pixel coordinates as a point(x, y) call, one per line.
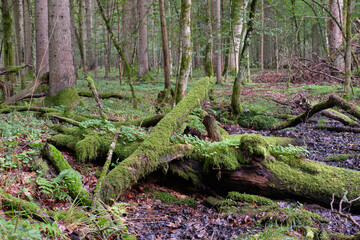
point(340, 213)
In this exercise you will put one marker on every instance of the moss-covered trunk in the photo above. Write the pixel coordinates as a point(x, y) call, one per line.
point(146, 158)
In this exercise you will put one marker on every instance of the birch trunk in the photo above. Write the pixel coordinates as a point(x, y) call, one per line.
point(335, 35)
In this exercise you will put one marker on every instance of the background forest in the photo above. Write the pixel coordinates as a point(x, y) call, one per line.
point(153, 119)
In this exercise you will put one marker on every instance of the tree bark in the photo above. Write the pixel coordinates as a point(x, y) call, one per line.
point(208, 63)
point(218, 42)
point(62, 82)
point(236, 93)
point(186, 53)
point(89, 35)
point(349, 7)
point(29, 58)
point(42, 37)
point(146, 158)
point(129, 24)
point(82, 35)
point(335, 34)
point(143, 57)
point(165, 44)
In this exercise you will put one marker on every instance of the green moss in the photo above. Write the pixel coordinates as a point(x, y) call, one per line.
point(254, 120)
point(187, 173)
point(253, 145)
point(311, 179)
point(248, 198)
point(283, 141)
point(145, 159)
point(196, 123)
point(171, 199)
point(64, 97)
point(326, 235)
point(41, 166)
point(340, 157)
point(89, 148)
point(64, 140)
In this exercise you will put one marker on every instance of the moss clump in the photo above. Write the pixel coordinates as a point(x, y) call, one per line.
point(88, 149)
point(40, 166)
point(318, 180)
point(171, 199)
point(196, 122)
point(65, 97)
point(248, 198)
point(187, 173)
point(283, 141)
point(340, 157)
point(253, 145)
point(64, 140)
point(252, 119)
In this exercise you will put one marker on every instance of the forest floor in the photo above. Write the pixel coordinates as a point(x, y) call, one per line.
point(151, 210)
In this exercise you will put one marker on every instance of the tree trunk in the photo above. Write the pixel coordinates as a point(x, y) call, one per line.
point(7, 33)
point(349, 7)
point(335, 34)
point(218, 41)
point(73, 36)
point(315, 40)
point(186, 53)
point(208, 63)
point(42, 37)
point(142, 56)
point(262, 37)
point(235, 97)
point(156, 148)
point(62, 82)
point(129, 24)
point(82, 35)
point(165, 44)
point(19, 36)
point(89, 35)
point(27, 37)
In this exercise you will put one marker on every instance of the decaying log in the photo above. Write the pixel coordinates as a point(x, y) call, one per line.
point(25, 93)
point(72, 181)
point(211, 128)
point(103, 95)
point(146, 158)
point(12, 69)
point(332, 101)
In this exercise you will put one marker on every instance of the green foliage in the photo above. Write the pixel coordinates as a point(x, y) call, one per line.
point(25, 230)
point(52, 188)
point(171, 199)
point(253, 120)
point(290, 150)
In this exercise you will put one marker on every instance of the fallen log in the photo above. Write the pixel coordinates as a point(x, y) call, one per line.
point(332, 101)
point(145, 159)
point(103, 95)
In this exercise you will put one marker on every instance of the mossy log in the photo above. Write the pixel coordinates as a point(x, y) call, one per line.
point(96, 96)
point(145, 122)
point(145, 159)
point(332, 101)
point(72, 181)
point(25, 206)
point(264, 171)
point(106, 95)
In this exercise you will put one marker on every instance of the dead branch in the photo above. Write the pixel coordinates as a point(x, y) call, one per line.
point(340, 213)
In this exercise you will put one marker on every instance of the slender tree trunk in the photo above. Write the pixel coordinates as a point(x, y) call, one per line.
point(27, 37)
point(235, 97)
point(218, 40)
point(89, 35)
point(153, 34)
point(335, 35)
point(95, 41)
point(7, 33)
point(165, 43)
point(185, 26)
point(268, 39)
point(82, 35)
point(42, 37)
point(73, 37)
point(208, 63)
point(129, 24)
point(62, 90)
point(106, 49)
point(262, 37)
point(19, 36)
point(349, 7)
point(142, 56)
point(315, 40)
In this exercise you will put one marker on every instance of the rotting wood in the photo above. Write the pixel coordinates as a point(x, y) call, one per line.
point(96, 96)
point(145, 159)
point(211, 128)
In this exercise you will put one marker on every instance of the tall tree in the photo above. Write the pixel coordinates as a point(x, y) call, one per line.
point(27, 36)
point(19, 37)
point(82, 35)
point(208, 63)
point(89, 35)
point(335, 33)
point(129, 24)
point(218, 41)
point(236, 91)
point(42, 37)
point(8, 48)
point(165, 44)
point(142, 56)
point(185, 65)
point(62, 90)
point(348, 9)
